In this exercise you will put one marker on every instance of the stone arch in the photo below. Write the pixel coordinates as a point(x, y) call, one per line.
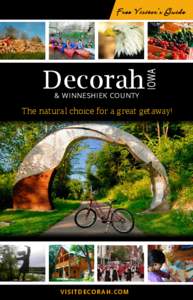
point(31, 189)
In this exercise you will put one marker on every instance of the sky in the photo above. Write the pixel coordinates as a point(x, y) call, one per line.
point(30, 28)
point(37, 256)
point(80, 161)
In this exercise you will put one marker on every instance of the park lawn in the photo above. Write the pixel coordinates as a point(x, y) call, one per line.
point(30, 223)
point(172, 223)
point(72, 280)
point(34, 277)
point(35, 55)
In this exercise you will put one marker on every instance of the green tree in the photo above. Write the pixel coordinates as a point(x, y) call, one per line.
point(53, 252)
point(11, 31)
point(36, 39)
point(63, 185)
point(16, 140)
point(111, 165)
point(113, 168)
point(85, 251)
point(8, 263)
point(119, 253)
point(75, 189)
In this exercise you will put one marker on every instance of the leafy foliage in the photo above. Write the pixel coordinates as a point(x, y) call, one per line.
point(53, 251)
point(85, 251)
point(8, 263)
point(119, 254)
point(112, 172)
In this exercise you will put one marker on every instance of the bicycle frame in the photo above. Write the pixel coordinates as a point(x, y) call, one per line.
point(110, 216)
point(98, 209)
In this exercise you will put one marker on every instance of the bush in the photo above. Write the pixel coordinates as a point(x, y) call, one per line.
point(182, 219)
point(131, 191)
point(184, 199)
point(75, 189)
point(120, 197)
point(6, 185)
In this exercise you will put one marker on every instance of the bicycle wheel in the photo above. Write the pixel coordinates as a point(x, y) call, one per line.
point(85, 217)
point(122, 220)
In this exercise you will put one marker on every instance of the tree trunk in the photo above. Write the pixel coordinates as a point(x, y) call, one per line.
point(165, 129)
point(88, 260)
point(158, 132)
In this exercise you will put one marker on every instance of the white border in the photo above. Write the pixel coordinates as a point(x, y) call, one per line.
point(96, 59)
point(95, 282)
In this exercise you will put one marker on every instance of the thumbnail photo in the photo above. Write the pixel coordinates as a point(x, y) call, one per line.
point(22, 262)
point(170, 40)
point(168, 263)
point(70, 262)
point(99, 180)
point(22, 40)
point(118, 40)
point(120, 263)
point(71, 40)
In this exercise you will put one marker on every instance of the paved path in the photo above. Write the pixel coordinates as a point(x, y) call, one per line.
point(68, 228)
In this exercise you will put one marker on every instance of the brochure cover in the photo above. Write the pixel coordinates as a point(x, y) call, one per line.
point(96, 149)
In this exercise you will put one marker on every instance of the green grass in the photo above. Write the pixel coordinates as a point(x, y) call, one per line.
point(72, 279)
point(172, 223)
point(135, 195)
point(175, 222)
point(34, 277)
point(35, 55)
point(30, 223)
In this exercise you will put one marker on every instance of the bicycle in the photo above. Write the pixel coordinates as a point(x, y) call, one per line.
point(121, 219)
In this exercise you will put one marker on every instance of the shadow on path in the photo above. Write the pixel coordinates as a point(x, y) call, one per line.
point(68, 228)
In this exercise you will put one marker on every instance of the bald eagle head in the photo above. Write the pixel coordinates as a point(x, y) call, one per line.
point(129, 39)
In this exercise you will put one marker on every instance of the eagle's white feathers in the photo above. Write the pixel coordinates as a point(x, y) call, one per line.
point(129, 39)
